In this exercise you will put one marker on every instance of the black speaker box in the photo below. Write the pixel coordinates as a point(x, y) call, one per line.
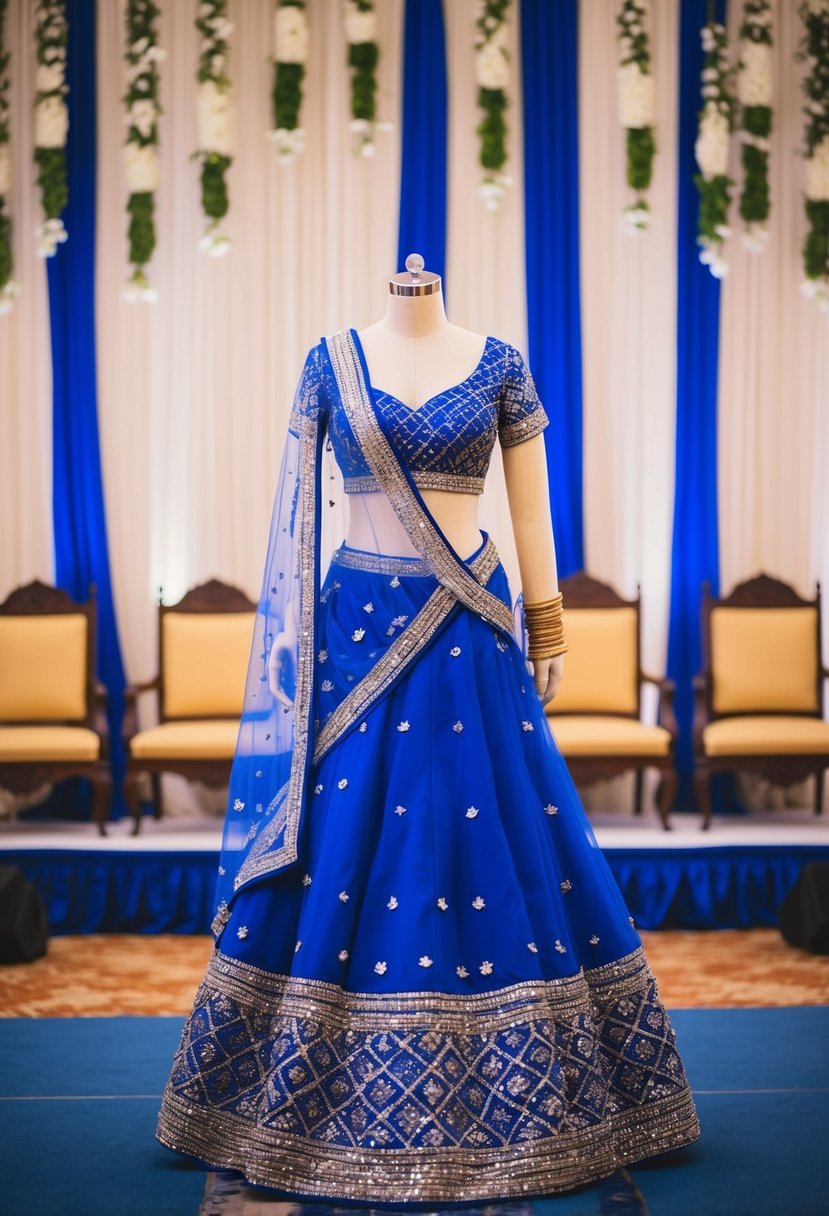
point(24, 926)
point(804, 913)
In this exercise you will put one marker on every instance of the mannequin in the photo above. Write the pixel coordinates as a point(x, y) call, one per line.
point(413, 353)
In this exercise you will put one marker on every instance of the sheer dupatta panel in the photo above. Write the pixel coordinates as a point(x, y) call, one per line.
point(269, 776)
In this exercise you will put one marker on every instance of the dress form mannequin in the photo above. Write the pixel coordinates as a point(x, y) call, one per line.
point(414, 353)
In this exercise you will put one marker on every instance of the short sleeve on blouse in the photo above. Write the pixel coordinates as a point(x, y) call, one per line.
point(521, 414)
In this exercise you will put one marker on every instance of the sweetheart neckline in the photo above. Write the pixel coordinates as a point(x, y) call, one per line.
point(416, 409)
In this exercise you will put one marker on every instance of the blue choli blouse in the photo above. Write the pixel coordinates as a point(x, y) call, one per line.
point(447, 442)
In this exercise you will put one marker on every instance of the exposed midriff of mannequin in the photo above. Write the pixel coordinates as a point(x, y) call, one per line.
point(414, 353)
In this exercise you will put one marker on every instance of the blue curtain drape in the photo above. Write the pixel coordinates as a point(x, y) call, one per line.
point(549, 59)
point(80, 537)
point(695, 548)
point(422, 227)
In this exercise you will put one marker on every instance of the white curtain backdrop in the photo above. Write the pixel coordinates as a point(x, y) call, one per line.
point(195, 391)
point(773, 393)
point(26, 549)
point(628, 312)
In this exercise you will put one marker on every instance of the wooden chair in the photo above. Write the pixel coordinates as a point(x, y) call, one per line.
point(52, 708)
point(595, 716)
point(203, 647)
point(758, 700)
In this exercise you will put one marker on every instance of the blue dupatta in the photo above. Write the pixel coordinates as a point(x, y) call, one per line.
point(279, 737)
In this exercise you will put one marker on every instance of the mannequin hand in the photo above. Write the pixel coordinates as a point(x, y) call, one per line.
point(547, 675)
point(284, 644)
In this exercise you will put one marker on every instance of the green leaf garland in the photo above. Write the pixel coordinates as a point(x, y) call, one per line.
point(636, 108)
point(291, 54)
point(215, 129)
point(51, 122)
point(141, 148)
point(492, 79)
point(814, 50)
point(8, 287)
point(716, 122)
point(754, 91)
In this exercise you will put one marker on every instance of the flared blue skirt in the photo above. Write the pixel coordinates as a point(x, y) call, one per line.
point(447, 999)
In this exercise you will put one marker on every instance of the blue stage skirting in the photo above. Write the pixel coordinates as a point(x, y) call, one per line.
point(95, 891)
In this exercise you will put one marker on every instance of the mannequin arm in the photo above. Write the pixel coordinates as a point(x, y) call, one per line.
point(525, 472)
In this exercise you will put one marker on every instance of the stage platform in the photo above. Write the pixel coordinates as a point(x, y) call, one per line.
point(734, 876)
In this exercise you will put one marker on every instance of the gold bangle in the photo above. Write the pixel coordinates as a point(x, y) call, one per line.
point(545, 628)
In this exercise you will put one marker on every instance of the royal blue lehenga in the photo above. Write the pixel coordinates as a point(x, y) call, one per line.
point(426, 986)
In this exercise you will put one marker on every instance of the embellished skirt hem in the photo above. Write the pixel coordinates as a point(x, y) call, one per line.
point(291, 1165)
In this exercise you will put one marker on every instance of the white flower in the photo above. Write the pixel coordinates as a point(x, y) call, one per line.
point(141, 166)
point(369, 607)
point(142, 115)
point(455, 651)
point(5, 169)
point(51, 123)
point(424, 961)
point(478, 902)
point(238, 804)
point(358, 635)
point(342, 783)
point(318, 788)
point(342, 956)
point(462, 972)
point(817, 172)
point(472, 812)
point(442, 904)
point(217, 63)
point(326, 686)
point(343, 897)
point(527, 726)
point(754, 80)
point(392, 904)
point(360, 26)
point(594, 940)
point(485, 967)
point(636, 97)
point(403, 727)
point(242, 932)
point(817, 6)
point(492, 64)
point(400, 810)
point(711, 147)
point(215, 119)
point(532, 947)
point(380, 968)
point(307, 880)
point(297, 947)
point(291, 34)
point(551, 809)
point(457, 727)
point(289, 143)
point(560, 948)
point(50, 77)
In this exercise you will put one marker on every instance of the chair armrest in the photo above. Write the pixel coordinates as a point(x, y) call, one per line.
point(100, 723)
point(701, 717)
point(667, 712)
point(129, 725)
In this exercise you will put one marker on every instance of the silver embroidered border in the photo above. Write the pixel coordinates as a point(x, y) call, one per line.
point(260, 860)
point(384, 465)
point(405, 647)
point(424, 479)
point(381, 563)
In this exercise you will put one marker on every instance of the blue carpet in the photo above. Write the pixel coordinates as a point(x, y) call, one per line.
point(79, 1097)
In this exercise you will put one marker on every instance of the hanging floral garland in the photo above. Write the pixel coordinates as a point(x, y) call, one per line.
point(754, 92)
point(636, 107)
point(215, 126)
point(360, 21)
point(814, 50)
point(492, 79)
point(141, 148)
point(715, 125)
point(290, 56)
point(8, 287)
point(51, 122)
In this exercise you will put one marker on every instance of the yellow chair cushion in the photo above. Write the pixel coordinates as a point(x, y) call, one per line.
point(43, 667)
point(600, 668)
point(764, 659)
point(32, 743)
point(766, 734)
point(205, 662)
point(600, 735)
point(187, 741)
